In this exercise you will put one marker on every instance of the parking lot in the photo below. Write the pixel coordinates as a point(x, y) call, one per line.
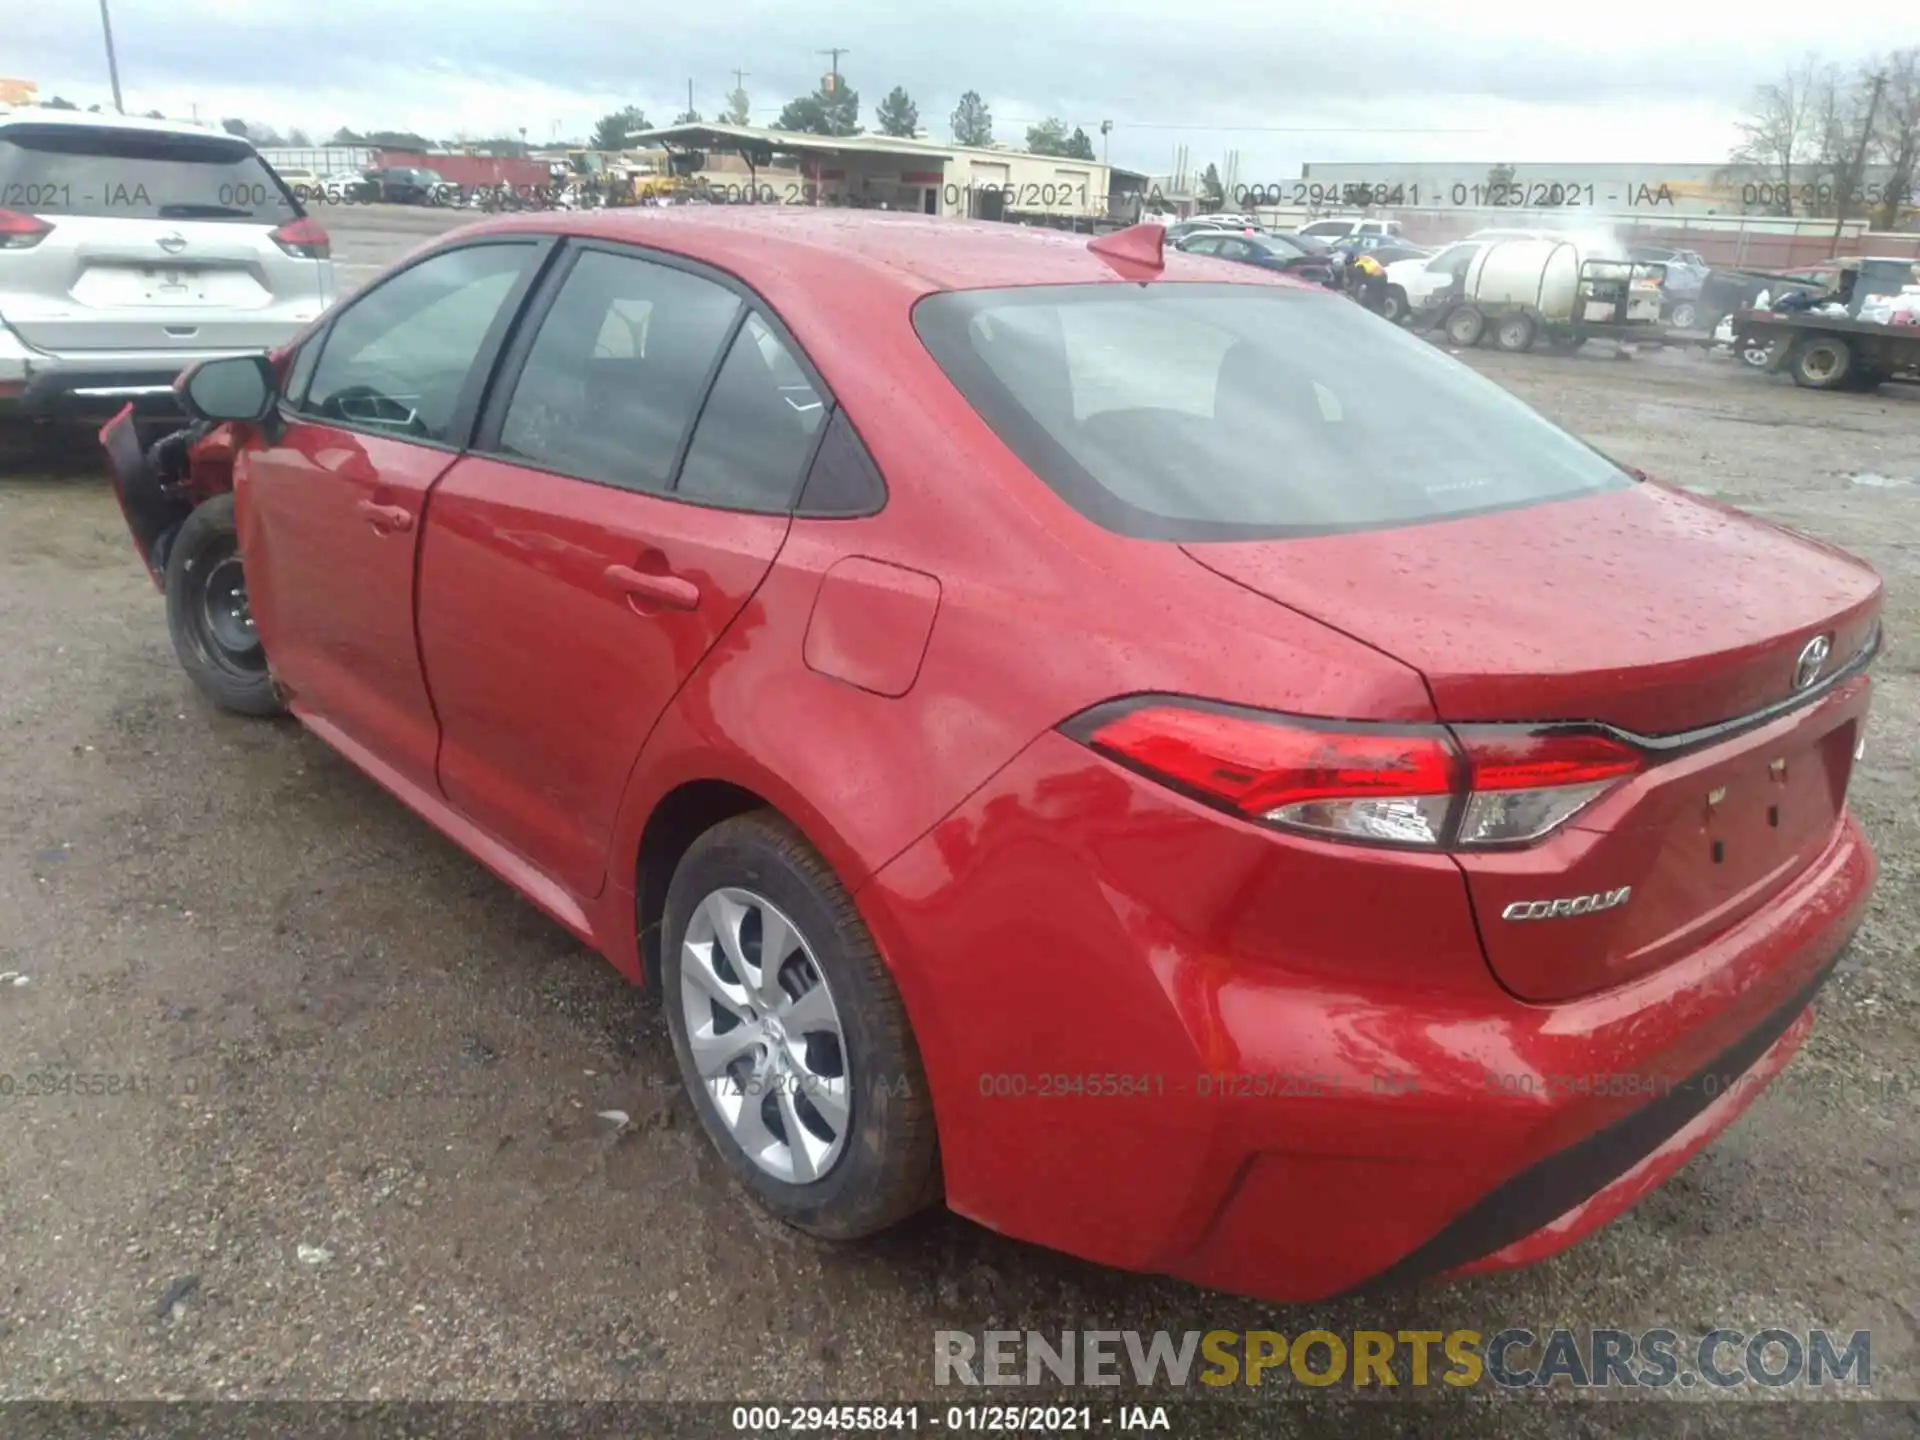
point(365, 1148)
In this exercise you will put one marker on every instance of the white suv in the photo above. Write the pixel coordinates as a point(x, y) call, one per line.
point(131, 248)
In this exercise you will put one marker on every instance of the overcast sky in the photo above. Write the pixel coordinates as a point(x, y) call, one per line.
point(1385, 80)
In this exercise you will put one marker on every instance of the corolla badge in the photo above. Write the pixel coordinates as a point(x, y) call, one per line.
point(173, 242)
point(1572, 905)
point(1813, 658)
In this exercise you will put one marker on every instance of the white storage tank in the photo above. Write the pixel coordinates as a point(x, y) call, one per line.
point(1542, 274)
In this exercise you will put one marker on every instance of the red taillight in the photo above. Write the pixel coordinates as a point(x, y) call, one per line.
point(22, 232)
point(303, 237)
point(1521, 759)
point(1402, 785)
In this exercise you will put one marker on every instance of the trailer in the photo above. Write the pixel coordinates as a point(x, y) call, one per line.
point(1830, 352)
point(1523, 292)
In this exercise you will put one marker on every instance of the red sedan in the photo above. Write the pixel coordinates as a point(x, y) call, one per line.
point(1134, 746)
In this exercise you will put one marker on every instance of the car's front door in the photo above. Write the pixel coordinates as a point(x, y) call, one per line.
point(630, 487)
point(330, 511)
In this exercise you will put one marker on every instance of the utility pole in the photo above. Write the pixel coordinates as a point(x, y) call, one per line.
point(740, 79)
point(113, 65)
point(1106, 129)
point(1853, 177)
point(689, 95)
point(835, 53)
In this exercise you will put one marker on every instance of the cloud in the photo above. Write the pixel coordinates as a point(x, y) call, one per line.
point(1442, 79)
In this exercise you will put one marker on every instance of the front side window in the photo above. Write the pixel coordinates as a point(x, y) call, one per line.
point(399, 357)
point(613, 381)
point(1222, 412)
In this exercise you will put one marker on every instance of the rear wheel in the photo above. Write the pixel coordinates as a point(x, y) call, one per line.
point(210, 616)
point(1514, 333)
point(1683, 315)
point(793, 1042)
point(1822, 362)
point(1396, 308)
point(1756, 353)
point(1465, 326)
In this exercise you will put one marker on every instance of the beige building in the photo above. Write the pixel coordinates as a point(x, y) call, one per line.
point(750, 164)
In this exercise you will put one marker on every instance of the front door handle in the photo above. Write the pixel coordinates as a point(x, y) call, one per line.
point(386, 518)
point(641, 588)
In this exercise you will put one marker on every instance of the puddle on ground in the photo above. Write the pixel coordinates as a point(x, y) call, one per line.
point(1881, 482)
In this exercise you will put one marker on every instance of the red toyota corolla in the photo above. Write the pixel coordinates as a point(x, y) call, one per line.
point(1138, 748)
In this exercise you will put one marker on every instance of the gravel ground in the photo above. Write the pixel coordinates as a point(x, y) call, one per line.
point(364, 1156)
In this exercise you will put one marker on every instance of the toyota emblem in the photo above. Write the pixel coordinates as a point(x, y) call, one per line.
point(173, 242)
point(1813, 658)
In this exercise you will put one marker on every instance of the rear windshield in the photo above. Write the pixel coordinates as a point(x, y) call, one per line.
point(137, 175)
point(1221, 412)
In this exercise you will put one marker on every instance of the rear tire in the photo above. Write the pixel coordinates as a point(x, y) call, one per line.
point(1466, 326)
point(1396, 308)
point(867, 1155)
point(1515, 334)
point(1822, 362)
point(209, 617)
point(1683, 315)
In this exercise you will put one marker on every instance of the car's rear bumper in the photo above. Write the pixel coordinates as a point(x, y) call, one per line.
point(96, 382)
point(1212, 1090)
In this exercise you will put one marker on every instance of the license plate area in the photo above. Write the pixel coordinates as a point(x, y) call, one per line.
point(1777, 802)
point(161, 286)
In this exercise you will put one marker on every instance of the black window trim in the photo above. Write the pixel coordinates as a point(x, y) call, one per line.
point(467, 409)
point(511, 360)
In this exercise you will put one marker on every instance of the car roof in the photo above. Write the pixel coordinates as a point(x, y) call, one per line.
point(792, 253)
point(41, 115)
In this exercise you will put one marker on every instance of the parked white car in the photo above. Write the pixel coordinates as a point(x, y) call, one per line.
point(129, 249)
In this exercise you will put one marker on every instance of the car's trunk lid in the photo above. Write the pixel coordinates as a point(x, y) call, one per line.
point(1641, 609)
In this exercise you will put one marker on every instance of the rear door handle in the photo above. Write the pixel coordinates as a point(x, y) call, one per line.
point(668, 590)
point(386, 518)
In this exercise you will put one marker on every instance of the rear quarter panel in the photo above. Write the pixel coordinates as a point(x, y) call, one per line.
point(1041, 614)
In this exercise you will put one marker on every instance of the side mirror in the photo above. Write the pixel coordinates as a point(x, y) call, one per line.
point(239, 387)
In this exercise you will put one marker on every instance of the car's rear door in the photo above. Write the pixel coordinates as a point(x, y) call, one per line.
point(158, 241)
point(632, 483)
point(379, 406)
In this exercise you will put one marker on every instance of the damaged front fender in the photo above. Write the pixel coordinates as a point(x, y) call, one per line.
point(158, 485)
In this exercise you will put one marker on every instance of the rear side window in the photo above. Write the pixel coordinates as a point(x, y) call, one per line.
point(758, 427)
point(1225, 412)
point(100, 172)
point(614, 378)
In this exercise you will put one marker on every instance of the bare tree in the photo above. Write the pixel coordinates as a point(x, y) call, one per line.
point(1841, 111)
point(1779, 135)
point(1897, 135)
